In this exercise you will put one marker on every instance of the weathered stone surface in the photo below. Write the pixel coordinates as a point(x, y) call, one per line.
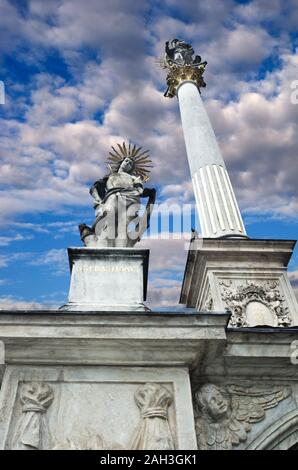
point(260, 352)
point(226, 413)
point(32, 430)
point(154, 431)
point(96, 364)
point(107, 279)
point(246, 277)
point(95, 407)
point(255, 364)
point(124, 338)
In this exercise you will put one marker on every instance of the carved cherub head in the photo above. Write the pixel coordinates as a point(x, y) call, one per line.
point(212, 402)
point(226, 413)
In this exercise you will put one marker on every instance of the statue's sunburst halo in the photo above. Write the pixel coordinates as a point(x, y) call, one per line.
point(140, 158)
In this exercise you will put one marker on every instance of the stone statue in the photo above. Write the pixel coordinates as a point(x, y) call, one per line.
point(225, 414)
point(180, 53)
point(117, 200)
point(178, 60)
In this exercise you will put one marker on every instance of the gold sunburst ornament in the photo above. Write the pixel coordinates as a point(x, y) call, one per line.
point(140, 159)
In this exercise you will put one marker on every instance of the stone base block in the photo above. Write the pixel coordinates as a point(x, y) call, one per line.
point(246, 277)
point(107, 279)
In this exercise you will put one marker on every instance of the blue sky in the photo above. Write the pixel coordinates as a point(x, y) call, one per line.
point(80, 76)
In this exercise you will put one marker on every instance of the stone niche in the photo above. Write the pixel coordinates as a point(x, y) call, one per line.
point(96, 408)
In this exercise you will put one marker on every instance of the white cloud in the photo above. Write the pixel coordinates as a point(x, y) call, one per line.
point(280, 14)
point(3, 261)
point(239, 49)
point(166, 268)
point(10, 303)
point(7, 259)
point(258, 137)
point(66, 148)
point(164, 293)
point(50, 159)
point(54, 259)
point(7, 240)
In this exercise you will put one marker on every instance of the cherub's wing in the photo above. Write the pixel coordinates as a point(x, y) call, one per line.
point(249, 403)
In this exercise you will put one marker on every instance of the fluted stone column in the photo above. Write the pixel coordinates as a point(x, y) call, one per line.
point(246, 278)
point(217, 206)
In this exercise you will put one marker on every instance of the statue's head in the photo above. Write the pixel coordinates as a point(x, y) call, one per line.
point(175, 42)
point(126, 165)
point(130, 159)
point(212, 401)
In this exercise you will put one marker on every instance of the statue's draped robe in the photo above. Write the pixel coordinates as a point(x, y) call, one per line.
point(119, 206)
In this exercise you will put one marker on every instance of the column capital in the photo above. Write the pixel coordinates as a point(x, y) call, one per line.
point(182, 66)
point(178, 75)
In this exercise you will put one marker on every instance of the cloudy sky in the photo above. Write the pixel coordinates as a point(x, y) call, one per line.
point(80, 76)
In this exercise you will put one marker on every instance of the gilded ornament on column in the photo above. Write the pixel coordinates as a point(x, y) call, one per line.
point(181, 66)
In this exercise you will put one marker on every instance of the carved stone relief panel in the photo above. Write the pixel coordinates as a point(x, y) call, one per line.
point(32, 431)
point(255, 303)
point(153, 431)
point(82, 410)
point(89, 416)
point(225, 415)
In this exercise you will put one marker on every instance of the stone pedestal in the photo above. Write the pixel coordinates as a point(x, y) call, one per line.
point(246, 277)
point(107, 279)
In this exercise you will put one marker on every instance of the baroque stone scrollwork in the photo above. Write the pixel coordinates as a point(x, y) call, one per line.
point(225, 414)
point(32, 431)
point(181, 65)
point(254, 297)
point(153, 432)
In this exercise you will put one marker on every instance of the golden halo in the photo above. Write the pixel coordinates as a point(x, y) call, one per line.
point(141, 159)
